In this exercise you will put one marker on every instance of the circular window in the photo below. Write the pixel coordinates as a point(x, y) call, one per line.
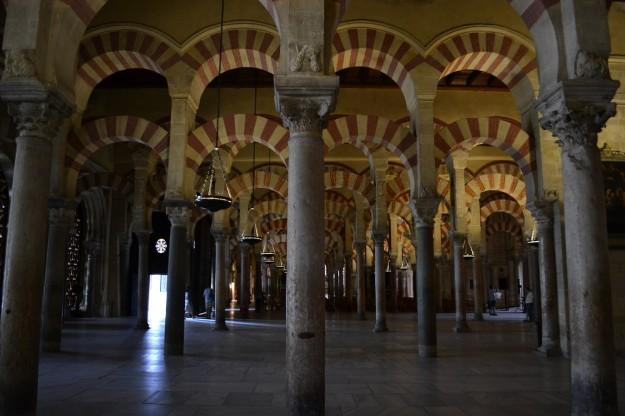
point(161, 246)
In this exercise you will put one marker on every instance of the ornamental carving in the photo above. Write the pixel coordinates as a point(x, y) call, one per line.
point(306, 59)
point(424, 207)
point(589, 65)
point(179, 216)
point(304, 114)
point(19, 63)
point(36, 119)
point(542, 211)
point(577, 129)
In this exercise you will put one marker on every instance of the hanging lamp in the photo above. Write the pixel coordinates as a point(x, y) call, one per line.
point(388, 266)
point(404, 263)
point(209, 197)
point(533, 238)
point(467, 250)
point(279, 264)
point(268, 253)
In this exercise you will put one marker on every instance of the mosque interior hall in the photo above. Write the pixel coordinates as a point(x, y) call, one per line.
point(312, 207)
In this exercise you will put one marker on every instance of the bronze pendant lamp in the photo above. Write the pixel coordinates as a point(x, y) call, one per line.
point(210, 197)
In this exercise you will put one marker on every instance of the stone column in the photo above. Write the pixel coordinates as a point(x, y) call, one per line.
point(575, 111)
point(542, 210)
point(424, 209)
point(222, 238)
point(37, 121)
point(361, 296)
point(179, 214)
point(143, 278)
point(304, 103)
point(478, 286)
point(60, 222)
point(244, 273)
point(459, 283)
point(349, 283)
point(380, 284)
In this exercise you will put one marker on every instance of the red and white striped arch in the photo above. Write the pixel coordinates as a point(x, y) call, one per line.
point(508, 184)
point(503, 134)
point(236, 128)
point(344, 179)
point(275, 207)
point(507, 168)
point(370, 131)
point(506, 205)
point(83, 142)
point(504, 223)
point(104, 54)
point(379, 50)
point(264, 180)
point(242, 48)
point(84, 10)
point(502, 55)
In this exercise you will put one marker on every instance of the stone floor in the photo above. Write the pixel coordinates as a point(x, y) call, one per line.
point(107, 368)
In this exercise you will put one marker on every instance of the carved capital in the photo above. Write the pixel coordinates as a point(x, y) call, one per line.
point(19, 63)
point(36, 119)
point(61, 217)
point(542, 211)
point(575, 112)
point(378, 237)
point(301, 115)
point(457, 237)
point(305, 101)
point(143, 237)
point(424, 208)
point(179, 216)
point(221, 235)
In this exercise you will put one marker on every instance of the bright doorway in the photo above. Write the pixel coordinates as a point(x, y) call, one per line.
point(158, 298)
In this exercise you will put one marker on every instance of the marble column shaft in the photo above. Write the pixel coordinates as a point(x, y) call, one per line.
point(37, 123)
point(221, 239)
point(459, 283)
point(478, 286)
point(380, 284)
point(60, 221)
point(244, 274)
point(304, 102)
point(575, 112)
point(361, 296)
point(542, 210)
point(179, 215)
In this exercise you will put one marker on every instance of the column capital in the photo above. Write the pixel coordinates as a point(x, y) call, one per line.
point(575, 111)
point(143, 236)
point(179, 214)
point(542, 211)
point(37, 110)
point(378, 237)
point(305, 101)
point(457, 237)
point(221, 235)
point(424, 208)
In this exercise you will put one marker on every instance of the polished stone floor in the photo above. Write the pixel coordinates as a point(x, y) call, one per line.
point(107, 368)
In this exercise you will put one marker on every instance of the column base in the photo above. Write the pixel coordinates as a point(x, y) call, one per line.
point(361, 316)
point(461, 327)
point(478, 316)
point(142, 326)
point(220, 326)
point(549, 351)
point(427, 351)
point(380, 327)
point(174, 350)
